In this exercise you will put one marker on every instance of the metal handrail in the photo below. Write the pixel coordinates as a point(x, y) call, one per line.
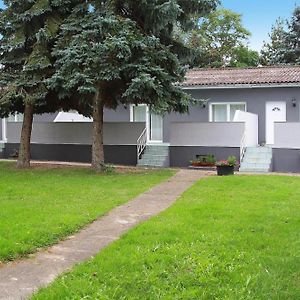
point(141, 143)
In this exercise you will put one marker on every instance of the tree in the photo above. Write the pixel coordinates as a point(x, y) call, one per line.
point(284, 47)
point(292, 54)
point(28, 30)
point(121, 52)
point(243, 57)
point(274, 51)
point(217, 36)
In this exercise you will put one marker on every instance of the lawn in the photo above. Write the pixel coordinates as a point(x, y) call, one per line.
point(41, 206)
point(225, 238)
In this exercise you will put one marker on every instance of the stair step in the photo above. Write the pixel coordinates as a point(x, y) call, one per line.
point(258, 155)
point(155, 156)
point(148, 155)
point(249, 165)
point(253, 171)
point(152, 161)
point(258, 160)
point(259, 150)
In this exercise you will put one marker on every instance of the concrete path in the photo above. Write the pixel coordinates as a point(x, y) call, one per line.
point(19, 280)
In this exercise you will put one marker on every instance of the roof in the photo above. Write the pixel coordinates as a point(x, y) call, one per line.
point(234, 77)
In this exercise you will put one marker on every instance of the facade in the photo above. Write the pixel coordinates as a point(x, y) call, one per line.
point(238, 110)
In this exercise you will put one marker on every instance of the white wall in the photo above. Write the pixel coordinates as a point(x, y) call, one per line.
point(251, 127)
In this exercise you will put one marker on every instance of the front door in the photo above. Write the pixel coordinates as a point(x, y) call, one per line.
point(156, 128)
point(154, 123)
point(275, 112)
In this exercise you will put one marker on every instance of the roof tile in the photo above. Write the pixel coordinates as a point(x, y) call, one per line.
point(245, 76)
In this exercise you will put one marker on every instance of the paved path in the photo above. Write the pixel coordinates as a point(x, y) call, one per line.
point(18, 280)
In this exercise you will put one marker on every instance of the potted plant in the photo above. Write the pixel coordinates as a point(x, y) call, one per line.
point(226, 167)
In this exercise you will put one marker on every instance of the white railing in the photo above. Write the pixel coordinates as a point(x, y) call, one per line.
point(141, 143)
point(243, 147)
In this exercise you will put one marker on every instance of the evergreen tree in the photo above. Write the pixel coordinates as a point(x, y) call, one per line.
point(284, 47)
point(121, 52)
point(274, 52)
point(292, 54)
point(28, 30)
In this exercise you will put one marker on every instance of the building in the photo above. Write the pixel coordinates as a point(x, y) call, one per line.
point(243, 110)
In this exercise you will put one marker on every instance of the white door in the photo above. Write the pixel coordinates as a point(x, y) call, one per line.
point(275, 112)
point(156, 128)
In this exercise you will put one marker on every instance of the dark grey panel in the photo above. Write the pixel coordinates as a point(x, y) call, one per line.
point(286, 160)
point(124, 155)
point(181, 156)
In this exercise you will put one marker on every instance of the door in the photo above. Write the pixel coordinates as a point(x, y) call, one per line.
point(275, 112)
point(156, 128)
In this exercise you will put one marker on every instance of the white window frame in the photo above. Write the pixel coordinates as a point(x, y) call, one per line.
point(228, 109)
point(132, 114)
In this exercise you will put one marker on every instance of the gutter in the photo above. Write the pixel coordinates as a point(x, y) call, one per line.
point(240, 86)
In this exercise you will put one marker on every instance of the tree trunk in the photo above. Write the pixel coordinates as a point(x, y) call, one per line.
point(24, 150)
point(97, 147)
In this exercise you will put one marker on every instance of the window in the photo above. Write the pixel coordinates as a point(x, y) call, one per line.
point(15, 118)
point(138, 113)
point(224, 112)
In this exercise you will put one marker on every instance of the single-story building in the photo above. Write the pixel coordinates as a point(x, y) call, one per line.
point(252, 113)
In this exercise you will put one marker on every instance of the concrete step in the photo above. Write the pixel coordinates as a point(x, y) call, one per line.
point(249, 165)
point(155, 156)
point(253, 171)
point(258, 160)
point(259, 150)
point(258, 155)
point(152, 161)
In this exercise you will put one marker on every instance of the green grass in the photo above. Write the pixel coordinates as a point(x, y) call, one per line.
point(38, 207)
point(226, 238)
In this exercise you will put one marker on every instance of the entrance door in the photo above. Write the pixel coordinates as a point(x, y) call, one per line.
point(156, 128)
point(154, 123)
point(275, 112)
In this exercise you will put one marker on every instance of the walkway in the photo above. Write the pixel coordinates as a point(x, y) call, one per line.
point(19, 280)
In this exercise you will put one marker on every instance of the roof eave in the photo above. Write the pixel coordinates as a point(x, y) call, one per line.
point(240, 86)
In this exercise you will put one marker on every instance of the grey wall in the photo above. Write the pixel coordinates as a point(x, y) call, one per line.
point(1, 129)
point(206, 134)
point(287, 135)
point(255, 98)
point(77, 133)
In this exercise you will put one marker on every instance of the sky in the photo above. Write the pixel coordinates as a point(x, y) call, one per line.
point(258, 16)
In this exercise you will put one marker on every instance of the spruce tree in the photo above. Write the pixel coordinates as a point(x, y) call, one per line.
point(122, 52)
point(292, 54)
point(28, 30)
point(284, 47)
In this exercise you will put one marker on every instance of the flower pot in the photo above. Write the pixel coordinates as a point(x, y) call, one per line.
point(225, 170)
